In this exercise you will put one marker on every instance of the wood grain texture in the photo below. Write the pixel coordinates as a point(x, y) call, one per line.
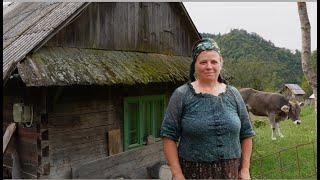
point(77, 123)
point(114, 141)
point(76, 137)
point(7, 135)
point(134, 26)
point(26, 138)
point(129, 164)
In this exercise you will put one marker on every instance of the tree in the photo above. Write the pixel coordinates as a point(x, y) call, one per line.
point(306, 49)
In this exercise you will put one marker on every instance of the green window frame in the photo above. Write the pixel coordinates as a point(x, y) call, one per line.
point(143, 116)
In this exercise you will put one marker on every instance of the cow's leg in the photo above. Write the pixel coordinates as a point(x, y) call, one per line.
point(278, 128)
point(273, 133)
point(273, 125)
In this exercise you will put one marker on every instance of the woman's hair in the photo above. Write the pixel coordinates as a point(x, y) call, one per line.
point(203, 45)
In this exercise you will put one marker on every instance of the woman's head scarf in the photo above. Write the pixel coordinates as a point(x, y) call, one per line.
point(203, 45)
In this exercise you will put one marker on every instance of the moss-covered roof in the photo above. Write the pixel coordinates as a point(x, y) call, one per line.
point(56, 66)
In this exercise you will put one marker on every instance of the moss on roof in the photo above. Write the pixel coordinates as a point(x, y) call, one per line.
point(57, 66)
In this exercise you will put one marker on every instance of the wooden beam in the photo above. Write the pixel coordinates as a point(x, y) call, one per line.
point(114, 142)
point(7, 135)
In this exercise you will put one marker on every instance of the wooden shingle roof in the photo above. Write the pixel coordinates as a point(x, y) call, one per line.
point(58, 66)
point(295, 88)
point(27, 25)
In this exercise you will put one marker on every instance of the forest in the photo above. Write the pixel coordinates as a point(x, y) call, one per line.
point(251, 61)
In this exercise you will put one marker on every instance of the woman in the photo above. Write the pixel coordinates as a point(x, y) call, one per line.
point(208, 118)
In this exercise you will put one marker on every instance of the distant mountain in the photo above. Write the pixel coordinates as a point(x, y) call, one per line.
point(270, 66)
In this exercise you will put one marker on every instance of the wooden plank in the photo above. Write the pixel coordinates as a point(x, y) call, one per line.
point(114, 141)
point(83, 106)
point(26, 175)
point(28, 134)
point(6, 172)
point(132, 161)
point(60, 124)
point(7, 160)
point(28, 153)
point(7, 135)
point(79, 153)
point(59, 173)
point(98, 27)
point(64, 171)
point(76, 137)
point(29, 168)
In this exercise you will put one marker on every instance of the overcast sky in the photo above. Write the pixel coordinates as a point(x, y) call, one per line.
point(275, 21)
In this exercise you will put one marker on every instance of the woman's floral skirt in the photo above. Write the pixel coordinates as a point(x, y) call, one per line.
point(222, 169)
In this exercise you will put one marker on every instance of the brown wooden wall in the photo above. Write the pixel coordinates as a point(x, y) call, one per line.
point(134, 26)
point(70, 126)
point(25, 140)
point(79, 121)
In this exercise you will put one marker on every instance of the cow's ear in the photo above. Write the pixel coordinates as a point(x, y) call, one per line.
point(301, 104)
point(285, 108)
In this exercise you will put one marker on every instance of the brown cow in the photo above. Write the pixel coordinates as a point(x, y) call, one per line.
point(273, 105)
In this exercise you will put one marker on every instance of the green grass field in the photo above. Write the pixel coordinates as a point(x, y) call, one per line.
point(285, 158)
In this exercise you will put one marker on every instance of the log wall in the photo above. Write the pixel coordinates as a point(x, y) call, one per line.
point(25, 140)
point(130, 26)
point(71, 126)
point(81, 118)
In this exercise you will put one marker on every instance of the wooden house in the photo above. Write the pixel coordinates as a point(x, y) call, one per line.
point(293, 92)
point(310, 100)
point(97, 78)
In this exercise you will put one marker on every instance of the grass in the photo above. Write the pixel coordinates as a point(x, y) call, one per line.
point(296, 160)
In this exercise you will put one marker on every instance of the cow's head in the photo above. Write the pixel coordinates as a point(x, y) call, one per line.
point(293, 111)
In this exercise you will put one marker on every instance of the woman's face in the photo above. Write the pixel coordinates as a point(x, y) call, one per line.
point(208, 65)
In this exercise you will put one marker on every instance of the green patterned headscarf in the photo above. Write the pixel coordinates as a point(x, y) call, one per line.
point(205, 44)
point(202, 45)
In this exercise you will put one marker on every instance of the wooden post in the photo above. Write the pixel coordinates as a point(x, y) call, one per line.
point(7, 135)
point(43, 138)
point(16, 167)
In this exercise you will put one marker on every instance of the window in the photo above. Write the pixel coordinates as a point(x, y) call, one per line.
point(142, 117)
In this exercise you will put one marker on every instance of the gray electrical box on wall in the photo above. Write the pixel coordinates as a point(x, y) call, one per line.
point(22, 113)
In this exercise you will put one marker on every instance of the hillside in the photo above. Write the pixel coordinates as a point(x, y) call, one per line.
point(254, 62)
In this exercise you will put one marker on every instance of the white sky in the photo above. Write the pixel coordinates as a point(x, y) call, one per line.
point(275, 21)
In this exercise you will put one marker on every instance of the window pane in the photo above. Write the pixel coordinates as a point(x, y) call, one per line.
point(133, 112)
point(158, 116)
point(147, 116)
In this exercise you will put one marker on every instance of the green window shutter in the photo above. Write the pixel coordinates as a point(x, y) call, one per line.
point(158, 116)
point(147, 118)
point(131, 122)
point(154, 112)
point(142, 117)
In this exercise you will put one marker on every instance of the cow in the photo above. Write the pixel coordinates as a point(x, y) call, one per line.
point(273, 105)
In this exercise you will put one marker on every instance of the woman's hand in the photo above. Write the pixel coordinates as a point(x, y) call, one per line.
point(179, 176)
point(244, 173)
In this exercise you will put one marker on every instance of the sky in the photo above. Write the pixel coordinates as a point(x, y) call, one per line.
point(275, 21)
